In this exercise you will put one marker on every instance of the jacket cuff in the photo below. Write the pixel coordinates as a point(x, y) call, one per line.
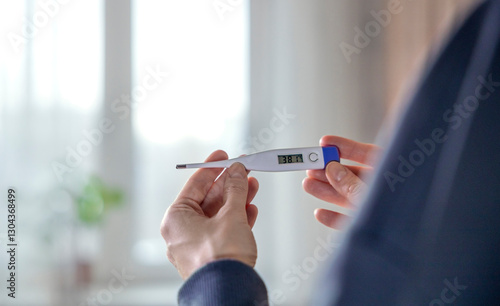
point(224, 282)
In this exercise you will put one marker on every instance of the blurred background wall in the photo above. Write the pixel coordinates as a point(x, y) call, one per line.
point(100, 99)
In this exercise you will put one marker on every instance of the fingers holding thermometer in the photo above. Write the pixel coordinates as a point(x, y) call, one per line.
point(212, 218)
point(340, 184)
point(206, 186)
point(363, 153)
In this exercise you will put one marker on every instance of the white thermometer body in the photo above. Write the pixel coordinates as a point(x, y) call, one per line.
point(278, 160)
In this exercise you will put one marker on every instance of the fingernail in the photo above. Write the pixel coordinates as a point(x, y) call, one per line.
point(338, 171)
point(236, 170)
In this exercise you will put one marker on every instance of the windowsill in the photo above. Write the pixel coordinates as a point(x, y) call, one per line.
point(145, 294)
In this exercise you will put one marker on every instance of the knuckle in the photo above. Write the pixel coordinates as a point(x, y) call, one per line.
point(170, 257)
point(352, 186)
point(166, 226)
point(354, 189)
point(163, 229)
point(236, 188)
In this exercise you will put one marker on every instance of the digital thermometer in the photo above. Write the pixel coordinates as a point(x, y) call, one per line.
point(278, 160)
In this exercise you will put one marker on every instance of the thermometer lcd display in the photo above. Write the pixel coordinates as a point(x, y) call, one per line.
point(290, 159)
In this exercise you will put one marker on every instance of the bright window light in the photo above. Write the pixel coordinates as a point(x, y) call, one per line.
point(205, 59)
point(197, 108)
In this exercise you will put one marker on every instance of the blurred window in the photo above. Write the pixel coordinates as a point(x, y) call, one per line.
point(198, 107)
point(51, 70)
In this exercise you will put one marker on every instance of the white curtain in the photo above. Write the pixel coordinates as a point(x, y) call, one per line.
point(50, 91)
point(165, 82)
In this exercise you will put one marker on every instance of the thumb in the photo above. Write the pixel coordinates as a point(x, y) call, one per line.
point(344, 181)
point(235, 191)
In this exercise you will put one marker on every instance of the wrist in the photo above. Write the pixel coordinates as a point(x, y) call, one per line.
point(211, 252)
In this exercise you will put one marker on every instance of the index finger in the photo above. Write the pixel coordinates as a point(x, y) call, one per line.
point(199, 183)
point(360, 152)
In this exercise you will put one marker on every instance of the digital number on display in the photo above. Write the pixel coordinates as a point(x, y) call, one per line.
point(290, 159)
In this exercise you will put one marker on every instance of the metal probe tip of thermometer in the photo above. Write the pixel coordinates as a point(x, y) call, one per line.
point(278, 160)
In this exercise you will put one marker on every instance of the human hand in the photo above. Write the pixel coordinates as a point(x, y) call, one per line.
point(212, 218)
point(339, 184)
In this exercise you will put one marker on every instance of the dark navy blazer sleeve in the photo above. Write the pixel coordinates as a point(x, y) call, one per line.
point(224, 282)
